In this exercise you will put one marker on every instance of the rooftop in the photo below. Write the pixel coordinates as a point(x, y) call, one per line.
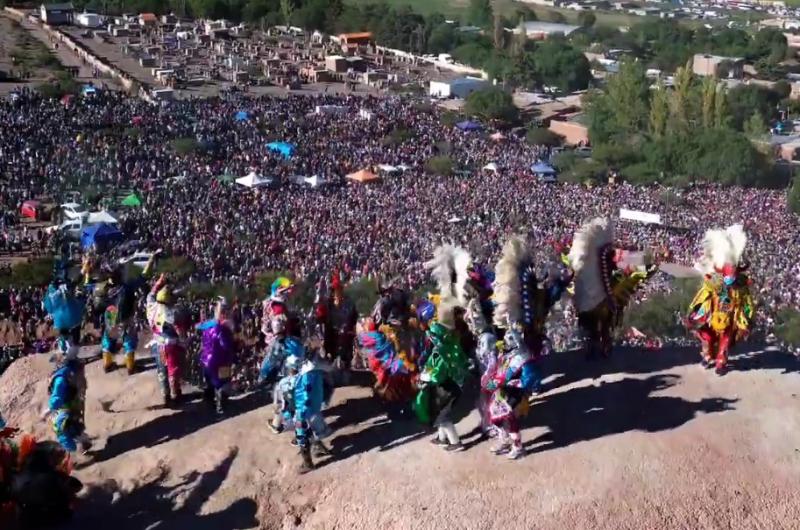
point(64, 6)
point(535, 26)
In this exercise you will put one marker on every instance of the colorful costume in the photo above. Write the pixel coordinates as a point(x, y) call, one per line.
point(393, 348)
point(65, 305)
point(274, 371)
point(217, 357)
point(167, 345)
point(36, 489)
point(337, 316)
point(524, 297)
point(723, 309)
point(602, 290)
point(119, 298)
point(277, 320)
point(309, 396)
point(67, 391)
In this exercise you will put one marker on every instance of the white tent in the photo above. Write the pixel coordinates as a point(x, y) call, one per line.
point(253, 181)
point(314, 181)
point(491, 166)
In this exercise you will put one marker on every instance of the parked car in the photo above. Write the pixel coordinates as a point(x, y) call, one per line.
point(139, 259)
point(73, 210)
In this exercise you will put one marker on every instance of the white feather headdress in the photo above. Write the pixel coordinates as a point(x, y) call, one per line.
point(722, 247)
point(584, 258)
point(450, 270)
point(508, 282)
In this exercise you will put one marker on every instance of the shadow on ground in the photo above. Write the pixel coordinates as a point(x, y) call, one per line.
point(157, 505)
point(592, 412)
point(189, 418)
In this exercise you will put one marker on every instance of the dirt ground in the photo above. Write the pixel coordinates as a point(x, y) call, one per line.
point(647, 440)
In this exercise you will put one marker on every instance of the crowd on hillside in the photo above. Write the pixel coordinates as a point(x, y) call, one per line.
point(231, 233)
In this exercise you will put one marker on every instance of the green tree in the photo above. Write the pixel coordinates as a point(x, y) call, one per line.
point(439, 165)
point(659, 111)
point(586, 19)
point(287, 9)
point(479, 13)
point(542, 136)
point(628, 93)
point(491, 104)
point(682, 98)
point(442, 39)
point(743, 100)
point(559, 64)
point(722, 117)
point(755, 126)
point(709, 100)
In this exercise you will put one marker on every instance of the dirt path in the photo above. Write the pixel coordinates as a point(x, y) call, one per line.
point(645, 441)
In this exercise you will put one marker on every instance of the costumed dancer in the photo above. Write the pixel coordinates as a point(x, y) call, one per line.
point(524, 297)
point(67, 402)
point(722, 311)
point(306, 395)
point(338, 316)
point(277, 321)
point(393, 349)
point(167, 345)
point(36, 489)
point(478, 315)
point(274, 371)
point(446, 365)
point(602, 289)
point(218, 356)
point(119, 300)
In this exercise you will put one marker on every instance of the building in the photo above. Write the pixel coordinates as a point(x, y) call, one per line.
point(542, 30)
point(350, 42)
point(456, 88)
point(148, 19)
point(705, 65)
point(89, 20)
point(57, 14)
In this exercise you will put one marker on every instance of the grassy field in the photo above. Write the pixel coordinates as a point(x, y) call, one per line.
point(450, 8)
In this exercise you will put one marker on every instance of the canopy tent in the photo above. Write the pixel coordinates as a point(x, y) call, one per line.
point(242, 115)
point(101, 236)
point(88, 90)
point(132, 200)
point(30, 209)
point(284, 148)
point(315, 181)
point(363, 176)
point(468, 125)
point(541, 168)
point(491, 166)
point(253, 181)
point(498, 136)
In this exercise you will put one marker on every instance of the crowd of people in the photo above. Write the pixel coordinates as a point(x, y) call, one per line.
point(231, 233)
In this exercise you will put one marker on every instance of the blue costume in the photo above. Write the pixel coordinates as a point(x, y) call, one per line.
point(273, 371)
point(67, 398)
point(66, 307)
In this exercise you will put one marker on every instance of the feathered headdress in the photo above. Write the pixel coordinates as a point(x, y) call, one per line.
point(515, 284)
point(450, 268)
point(722, 250)
point(585, 260)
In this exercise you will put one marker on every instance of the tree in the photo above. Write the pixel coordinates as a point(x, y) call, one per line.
point(659, 111)
point(755, 127)
point(479, 13)
point(709, 100)
point(628, 93)
point(681, 98)
point(559, 64)
point(586, 19)
point(722, 117)
point(287, 9)
point(743, 100)
point(492, 104)
point(442, 39)
point(439, 165)
point(520, 38)
point(499, 31)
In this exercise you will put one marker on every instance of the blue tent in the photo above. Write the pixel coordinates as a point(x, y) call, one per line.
point(88, 90)
point(101, 235)
point(284, 148)
point(242, 115)
point(468, 125)
point(540, 168)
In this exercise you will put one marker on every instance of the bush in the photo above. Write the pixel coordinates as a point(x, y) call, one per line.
point(35, 273)
point(439, 165)
point(184, 146)
point(364, 294)
point(492, 104)
point(787, 327)
point(542, 136)
point(658, 316)
point(396, 136)
point(793, 196)
point(450, 118)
